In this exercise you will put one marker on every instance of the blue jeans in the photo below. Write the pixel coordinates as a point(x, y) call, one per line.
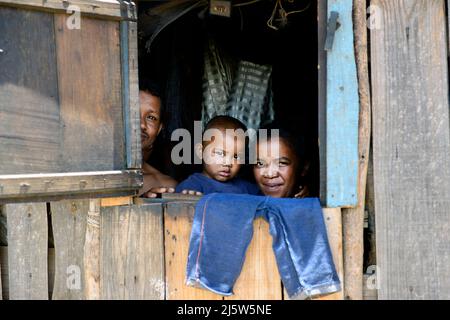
point(223, 228)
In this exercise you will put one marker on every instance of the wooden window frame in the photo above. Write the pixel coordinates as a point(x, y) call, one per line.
point(52, 186)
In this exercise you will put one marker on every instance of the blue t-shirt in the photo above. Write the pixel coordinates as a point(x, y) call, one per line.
point(202, 183)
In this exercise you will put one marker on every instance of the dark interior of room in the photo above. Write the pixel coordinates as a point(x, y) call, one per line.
point(175, 60)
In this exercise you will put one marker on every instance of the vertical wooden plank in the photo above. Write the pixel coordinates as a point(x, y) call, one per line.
point(29, 111)
point(353, 218)
point(132, 258)
point(342, 112)
point(91, 258)
point(178, 219)
point(333, 222)
point(411, 144)
point(69, 232)
point(130, 93)
point(27, 251)
point(259, 279)
point(89, 78)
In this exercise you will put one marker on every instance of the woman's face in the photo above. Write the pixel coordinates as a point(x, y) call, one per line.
point(276, 167)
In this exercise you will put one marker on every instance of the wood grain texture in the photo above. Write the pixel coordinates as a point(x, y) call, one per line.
point(411, 149)
point(69, 232)
point(342, 112)
point(89, 83)
point(132, 257)
point(109, 9)
point(29, 111)
point(27, 254)
point(5, 276)
point(259, 279)
point(82, 183)
point(91, 258)
point(130, 93)
point(178, 219)
point(353, 218)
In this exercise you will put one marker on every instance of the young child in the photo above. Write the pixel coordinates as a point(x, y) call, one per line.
point(222, 153)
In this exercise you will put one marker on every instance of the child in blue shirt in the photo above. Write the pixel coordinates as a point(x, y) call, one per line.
point(223, 153)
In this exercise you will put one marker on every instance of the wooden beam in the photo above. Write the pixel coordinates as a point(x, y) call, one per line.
point(34, 185)
point(353, 218)
point(105, 9)
point(411, 149)
point(130, 93)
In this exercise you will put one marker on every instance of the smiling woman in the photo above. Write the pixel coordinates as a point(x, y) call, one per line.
point(280, 165)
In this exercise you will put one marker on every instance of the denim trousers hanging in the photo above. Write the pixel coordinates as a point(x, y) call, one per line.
point(223, 228)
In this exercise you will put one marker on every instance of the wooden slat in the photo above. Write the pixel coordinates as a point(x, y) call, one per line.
point(29, 112)
point(89, 83)
point(4, 270)
point(69, 232)
point(118, 201)
point(57, 184)
point(333, 222)
point(132, 258)
point(342, 113)
point(259, 279)
point(411, 144)
point(178, 219)
point(109, 9)
point(353, 218)
point(91, 259)
point(27, 255)
point(130, 93)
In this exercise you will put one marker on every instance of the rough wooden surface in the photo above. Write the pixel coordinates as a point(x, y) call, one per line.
point(353, 218)
point(91, 258)
point(178, 219)
point(27, 254)
point(69, 233)
point(259, 279)
point(130, 93)
point(89, 84)
point(132, 258)
point(411, 149)
point(342, 112)
point(29, 112)
point(29, 186)
point(101, 8)
point(5, 276)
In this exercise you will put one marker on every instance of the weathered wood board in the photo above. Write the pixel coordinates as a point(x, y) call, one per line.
point(28, 251)
point(411, 149)
point(69, 231)
point(29, 113)
point(89, 84)
point(132, 257)
point(178, 217)
point(342, 112)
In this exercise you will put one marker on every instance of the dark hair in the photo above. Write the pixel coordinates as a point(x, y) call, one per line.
point(225, 122)
point(150, 86)
point(296, 142)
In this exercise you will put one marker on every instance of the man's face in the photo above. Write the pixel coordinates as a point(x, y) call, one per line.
point(150, 107)
point(276, 167)
point(222, 157)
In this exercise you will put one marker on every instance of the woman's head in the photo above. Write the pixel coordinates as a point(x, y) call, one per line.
point(279, 160)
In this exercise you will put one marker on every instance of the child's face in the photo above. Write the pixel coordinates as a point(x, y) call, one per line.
point(222, 157)
point(275, 172)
